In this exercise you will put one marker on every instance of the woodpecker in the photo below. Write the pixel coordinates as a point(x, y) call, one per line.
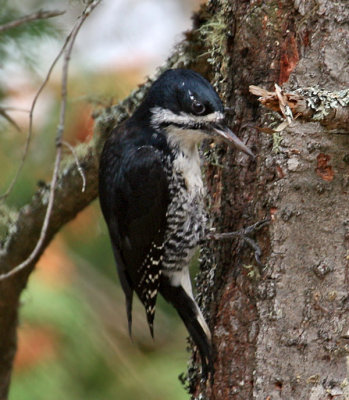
point(152, 195)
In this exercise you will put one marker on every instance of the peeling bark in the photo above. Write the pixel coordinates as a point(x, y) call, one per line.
point(331, 109)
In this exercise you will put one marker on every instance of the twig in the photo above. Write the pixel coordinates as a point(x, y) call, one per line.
point(78, 165)
point(60, 130)
point(41, 14)
point(10, 120)
point(284, 107)
point(10, 108)
point(4, 112)
point(31, 114)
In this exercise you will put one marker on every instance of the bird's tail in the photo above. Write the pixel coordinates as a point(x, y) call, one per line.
point(176, 289)
point(126, 286)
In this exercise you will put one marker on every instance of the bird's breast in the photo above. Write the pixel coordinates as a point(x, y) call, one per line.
point(187, 164)
point(186, 218)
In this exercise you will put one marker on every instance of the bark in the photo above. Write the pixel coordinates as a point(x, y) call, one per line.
point(331, 109)
point(280, 332)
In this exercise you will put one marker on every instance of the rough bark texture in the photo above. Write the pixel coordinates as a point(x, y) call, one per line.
point(280, 332)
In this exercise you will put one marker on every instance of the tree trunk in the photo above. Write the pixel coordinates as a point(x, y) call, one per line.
point(282, 331)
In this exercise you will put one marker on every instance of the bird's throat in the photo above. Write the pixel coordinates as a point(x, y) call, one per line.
point(186, 140)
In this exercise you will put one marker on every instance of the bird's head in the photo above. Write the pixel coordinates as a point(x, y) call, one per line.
point(185, 105)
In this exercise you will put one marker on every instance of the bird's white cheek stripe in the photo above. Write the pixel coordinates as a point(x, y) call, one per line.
point(162, 115)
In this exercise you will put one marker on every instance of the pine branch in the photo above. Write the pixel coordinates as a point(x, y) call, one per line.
point(41, 14)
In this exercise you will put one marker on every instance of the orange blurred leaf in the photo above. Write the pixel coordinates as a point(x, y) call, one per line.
point(35, 344)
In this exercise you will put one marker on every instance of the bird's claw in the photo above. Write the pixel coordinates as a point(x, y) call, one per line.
point(245, 234)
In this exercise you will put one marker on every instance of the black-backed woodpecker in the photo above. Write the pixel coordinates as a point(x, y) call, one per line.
point(152, 195)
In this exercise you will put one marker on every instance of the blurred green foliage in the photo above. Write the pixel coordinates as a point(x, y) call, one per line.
point(83, 365)
point(16, 43)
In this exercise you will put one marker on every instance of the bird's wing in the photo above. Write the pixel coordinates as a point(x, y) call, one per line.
point(137, 203)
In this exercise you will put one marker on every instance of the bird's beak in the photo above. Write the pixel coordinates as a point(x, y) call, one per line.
point(230, 137)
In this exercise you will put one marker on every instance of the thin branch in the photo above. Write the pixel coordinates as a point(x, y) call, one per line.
point(32, 108)
point(31, 114)
point(41, 14)
point(9, 119)
point(78, 165)
point(59, 135)
point(10, 108)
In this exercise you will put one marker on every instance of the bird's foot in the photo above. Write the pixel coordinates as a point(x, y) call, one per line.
point(245, 235)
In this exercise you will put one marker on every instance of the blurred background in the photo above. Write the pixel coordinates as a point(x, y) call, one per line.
point(73, 340)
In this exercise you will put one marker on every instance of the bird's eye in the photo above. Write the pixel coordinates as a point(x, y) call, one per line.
point(197, 107)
